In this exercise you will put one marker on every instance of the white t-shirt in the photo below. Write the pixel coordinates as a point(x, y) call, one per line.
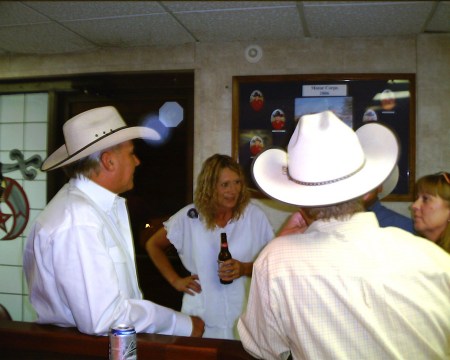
point(218, 305)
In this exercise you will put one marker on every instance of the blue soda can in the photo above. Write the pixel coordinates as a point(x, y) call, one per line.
point(122, 343)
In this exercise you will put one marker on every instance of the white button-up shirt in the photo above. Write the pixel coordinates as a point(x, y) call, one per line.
point(80, 266)
point(349, 290)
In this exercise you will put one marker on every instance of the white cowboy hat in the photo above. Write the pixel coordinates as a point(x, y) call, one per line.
point(327, 162)
point(92, 131)
point(390, 183)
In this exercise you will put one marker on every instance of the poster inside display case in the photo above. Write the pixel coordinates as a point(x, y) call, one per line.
point(266, 110)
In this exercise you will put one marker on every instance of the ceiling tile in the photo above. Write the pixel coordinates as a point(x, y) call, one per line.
point(440, 22)
point(15, 13)
point(341, 19)
point(188, 6)
point(65, 26)
point(135, 31)
point(34, 40)
point(244, 25)
point(76, 10)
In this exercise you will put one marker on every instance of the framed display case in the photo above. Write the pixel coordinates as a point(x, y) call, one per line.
point(266, 110)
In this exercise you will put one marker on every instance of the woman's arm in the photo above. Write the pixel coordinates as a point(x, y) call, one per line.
point(296, 224)
point(156, 248)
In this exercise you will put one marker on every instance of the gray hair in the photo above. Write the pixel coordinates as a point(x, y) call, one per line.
point(88, 165)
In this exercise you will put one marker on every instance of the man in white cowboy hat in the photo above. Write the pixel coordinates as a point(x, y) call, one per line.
point(342, 287)
point(79, 258)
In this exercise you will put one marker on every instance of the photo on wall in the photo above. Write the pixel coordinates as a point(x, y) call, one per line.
point(342, 107)
point(266, 110)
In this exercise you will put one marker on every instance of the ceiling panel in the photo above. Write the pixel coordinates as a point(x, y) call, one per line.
point(52, 27)
point(198, 6)
point(16, 13)
point(243, 25)
point(366, 19)
point(78, 10)
point(440, 22)
point(121, 32)
point(47, 38)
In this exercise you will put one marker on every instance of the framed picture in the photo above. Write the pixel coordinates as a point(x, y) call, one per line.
point(266, 110)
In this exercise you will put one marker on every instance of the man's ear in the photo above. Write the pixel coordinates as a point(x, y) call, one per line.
point(107, 160)
point(379, 188)
point(366, 196)
point(372, 193)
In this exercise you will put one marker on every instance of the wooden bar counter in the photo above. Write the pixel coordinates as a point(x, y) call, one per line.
point(22, 340)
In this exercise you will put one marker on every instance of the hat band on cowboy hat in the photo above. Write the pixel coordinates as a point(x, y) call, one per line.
point(94, 130)
point(320, 182)
point(327, 162)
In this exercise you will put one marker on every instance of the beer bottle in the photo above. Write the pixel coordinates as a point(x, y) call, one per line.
point(224, 254)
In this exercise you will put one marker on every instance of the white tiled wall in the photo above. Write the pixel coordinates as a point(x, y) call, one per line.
point(23, 126)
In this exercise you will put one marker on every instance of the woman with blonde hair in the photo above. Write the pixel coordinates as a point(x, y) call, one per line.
point(221, 205)
point(431, 210)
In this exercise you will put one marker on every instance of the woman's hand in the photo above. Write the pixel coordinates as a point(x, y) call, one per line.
point(233, 269)
point(188, 285)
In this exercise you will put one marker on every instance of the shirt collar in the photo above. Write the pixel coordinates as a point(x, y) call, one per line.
point(102, 197)
point(360, 218)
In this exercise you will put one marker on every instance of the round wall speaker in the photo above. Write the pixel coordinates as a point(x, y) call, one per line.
point(253, 53)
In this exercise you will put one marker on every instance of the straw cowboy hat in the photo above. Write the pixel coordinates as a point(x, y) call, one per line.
point(92, 131)
point(327, 162)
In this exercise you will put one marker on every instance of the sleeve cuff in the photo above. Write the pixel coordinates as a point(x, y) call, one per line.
point(183, 325)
